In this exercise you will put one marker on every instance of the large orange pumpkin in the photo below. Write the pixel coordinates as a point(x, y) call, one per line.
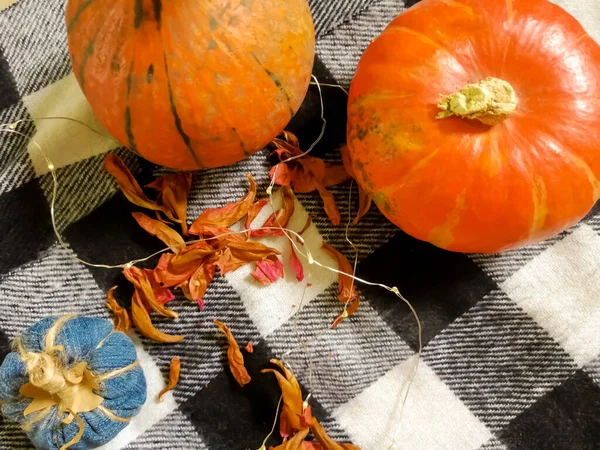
point(475, 124)
point(192, 84)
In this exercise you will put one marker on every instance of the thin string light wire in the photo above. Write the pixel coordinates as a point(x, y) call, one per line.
point(333, 86)
point(11, 128)
point(264, 443)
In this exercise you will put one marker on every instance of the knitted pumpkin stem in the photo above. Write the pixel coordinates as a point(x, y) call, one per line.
point(490, 101)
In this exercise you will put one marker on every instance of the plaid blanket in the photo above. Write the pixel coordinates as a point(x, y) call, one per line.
point(512, 341)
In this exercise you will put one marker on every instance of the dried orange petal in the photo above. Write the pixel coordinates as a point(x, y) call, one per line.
point(161, 230)
point(235, 357)
point(174, 370)
point(121, 321)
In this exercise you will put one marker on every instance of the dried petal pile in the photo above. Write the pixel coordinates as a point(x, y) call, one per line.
point(192, 263)
point(306, 173)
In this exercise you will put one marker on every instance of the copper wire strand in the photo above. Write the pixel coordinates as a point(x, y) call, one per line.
point(11, 128)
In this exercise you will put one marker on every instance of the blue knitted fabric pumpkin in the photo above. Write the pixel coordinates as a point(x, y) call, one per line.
point(84, 377)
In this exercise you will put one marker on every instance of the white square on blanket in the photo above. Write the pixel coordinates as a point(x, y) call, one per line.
point(63, 141)
point(433, 418)
point(560, 290)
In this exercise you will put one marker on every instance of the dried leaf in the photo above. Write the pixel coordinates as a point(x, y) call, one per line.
point(121, 321)
point(161, 230)
point(199, 282)
point(235, 357)
point(6, 3)
point(293, 417)
point(174, 370)
point(142, 322)
point(295, 263)
point(295, 443)
point(254, 210)
point(227, 215)
point(281, 218)
point(347, 292)
point(268, 271)
point(145, 293)
point(326, 442)
point(173, 190)
point(249, 347)
point(128, 184)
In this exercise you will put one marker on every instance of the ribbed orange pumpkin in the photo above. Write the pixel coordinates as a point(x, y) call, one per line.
point(475, 124)
point(192, 84)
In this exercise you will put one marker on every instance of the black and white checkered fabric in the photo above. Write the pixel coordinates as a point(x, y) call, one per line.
point(512, 342)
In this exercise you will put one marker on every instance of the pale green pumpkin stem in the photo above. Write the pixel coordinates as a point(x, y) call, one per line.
point(490, 101)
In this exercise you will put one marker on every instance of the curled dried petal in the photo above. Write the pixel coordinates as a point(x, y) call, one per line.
point(128, 184)
point(227, 215)
point(249, 347)
point(281, 218)
point(173, 190)
point(235, 357)
point(364, 205)
point(331, 208)
point(121, 321)
point(306, 226)
point(199, 282)
point(293, 416)
point(295, 443)
point(174, 370)
point(326, 442)
point(254, 211)
point(142, 322)
point(161, 230)
point(347, 292)
point(268, 271)
point(295, 263)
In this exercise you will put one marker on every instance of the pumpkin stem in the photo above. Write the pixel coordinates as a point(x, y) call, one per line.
point(490, 101)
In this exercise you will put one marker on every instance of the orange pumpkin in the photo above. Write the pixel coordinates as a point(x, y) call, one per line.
point(475, 124)
point(192, 84)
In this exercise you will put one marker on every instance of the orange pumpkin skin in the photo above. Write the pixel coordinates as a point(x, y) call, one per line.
point(455, 182)
point(192, 84)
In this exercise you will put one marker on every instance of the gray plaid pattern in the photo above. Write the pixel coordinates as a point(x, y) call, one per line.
point(525, 350)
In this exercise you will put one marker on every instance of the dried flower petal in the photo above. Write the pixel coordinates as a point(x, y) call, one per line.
point(249, 347)
point(331, 208)
point(295, 443)
point(268, 271)
point(121, 321)
point(240, 253)
point(307, 173)
point(227, 215)
point(173, 190)
point(162, 293)
point(174, 370)
point(172, 270)
point(145, 293)
point(254, 211)
point(293, 416)
point(128, 184)
point(199, 282)
point(235, 357)
point(295, 263)
point(281, 218)
point(306, 226)
point(142, 322)
point(326, 442)
point(347, 292)
point(161, 230)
